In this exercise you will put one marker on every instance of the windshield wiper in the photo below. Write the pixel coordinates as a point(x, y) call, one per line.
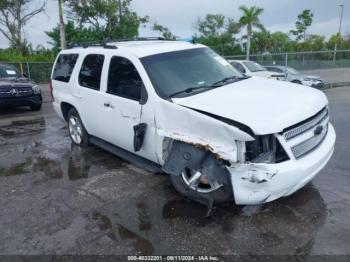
point(227, 79)
point(191, 89)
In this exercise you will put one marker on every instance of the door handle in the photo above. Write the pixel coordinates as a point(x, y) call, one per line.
point(108, 105)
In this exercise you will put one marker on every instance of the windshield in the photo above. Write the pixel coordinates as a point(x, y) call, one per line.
point(178, 71)
point(292, 71)
point(8, 71)
point(253, 67)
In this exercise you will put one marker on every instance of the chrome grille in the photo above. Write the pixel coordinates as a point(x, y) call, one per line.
point(310, 144)
point(298, 130)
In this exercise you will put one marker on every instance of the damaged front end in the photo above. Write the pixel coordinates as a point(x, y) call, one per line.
point(260, 168)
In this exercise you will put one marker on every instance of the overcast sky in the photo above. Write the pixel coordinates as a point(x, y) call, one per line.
point(180, 15)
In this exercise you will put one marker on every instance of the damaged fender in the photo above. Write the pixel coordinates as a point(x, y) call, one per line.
point(189, 126)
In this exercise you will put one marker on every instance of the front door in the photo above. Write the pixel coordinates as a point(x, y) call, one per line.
point(121, 102)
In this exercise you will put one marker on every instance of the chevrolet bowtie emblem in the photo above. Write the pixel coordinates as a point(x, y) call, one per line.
point(318, 130)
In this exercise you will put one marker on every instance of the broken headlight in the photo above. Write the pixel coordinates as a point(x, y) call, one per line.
point(265, 149)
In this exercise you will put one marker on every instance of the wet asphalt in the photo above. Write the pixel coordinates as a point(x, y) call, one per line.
point(56, 198)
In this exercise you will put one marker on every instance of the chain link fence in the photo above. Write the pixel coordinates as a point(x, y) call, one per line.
point(333, 67)
point(302, 60)
point(37, 71)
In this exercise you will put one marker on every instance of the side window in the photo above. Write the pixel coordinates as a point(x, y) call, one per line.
point(123, 79)
point(239, 67)
point(90, 72)
point(64, 67)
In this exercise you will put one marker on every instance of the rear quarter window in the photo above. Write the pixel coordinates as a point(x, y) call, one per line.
point(64, 67)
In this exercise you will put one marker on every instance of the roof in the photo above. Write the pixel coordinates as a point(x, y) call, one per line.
point(146, 48)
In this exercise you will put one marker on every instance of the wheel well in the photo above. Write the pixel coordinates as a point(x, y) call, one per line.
point(65, 107)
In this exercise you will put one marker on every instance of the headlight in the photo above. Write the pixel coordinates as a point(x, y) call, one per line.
point(36, 89)
point(265, 149)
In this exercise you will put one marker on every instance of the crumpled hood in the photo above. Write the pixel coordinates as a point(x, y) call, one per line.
point(266, 106)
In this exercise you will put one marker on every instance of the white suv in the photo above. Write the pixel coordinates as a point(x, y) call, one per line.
point(180, 108)
point(251, 68)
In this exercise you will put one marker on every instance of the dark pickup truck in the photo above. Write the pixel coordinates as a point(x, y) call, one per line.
point(16, 90)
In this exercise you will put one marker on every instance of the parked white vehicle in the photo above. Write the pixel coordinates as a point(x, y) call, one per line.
point(180, 108)
point(251, 68)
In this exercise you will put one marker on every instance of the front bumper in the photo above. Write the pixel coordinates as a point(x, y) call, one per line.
point(282, 179)
point(21, 101)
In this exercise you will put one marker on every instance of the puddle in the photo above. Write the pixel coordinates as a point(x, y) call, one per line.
point(141, 244)
point(104, 224)
point(16, 170)
point(144, 218)
point(190, 211)
point(27, 127)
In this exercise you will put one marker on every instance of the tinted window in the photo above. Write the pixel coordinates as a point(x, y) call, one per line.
point(275, 69)
point(64, 67)
point(177, 71)
point(90, 72)
point(8, 71)
point(123, 79)
point(239, 67)
point(253, 67)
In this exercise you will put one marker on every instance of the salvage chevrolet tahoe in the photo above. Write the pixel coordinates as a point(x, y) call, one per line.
point(181, 109)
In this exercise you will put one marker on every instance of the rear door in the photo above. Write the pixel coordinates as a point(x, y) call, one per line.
point(87, 93)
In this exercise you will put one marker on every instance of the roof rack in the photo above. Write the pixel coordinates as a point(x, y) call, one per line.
point(105, 44)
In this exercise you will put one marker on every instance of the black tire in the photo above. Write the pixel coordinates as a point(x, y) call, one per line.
point(84, 134)
point(296, 82)
point(36, 107)
point(220, 195)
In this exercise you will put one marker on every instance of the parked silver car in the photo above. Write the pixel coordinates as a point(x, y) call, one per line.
point(295, 76)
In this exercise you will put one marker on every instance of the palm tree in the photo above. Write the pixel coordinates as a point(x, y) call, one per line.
point(250, 19)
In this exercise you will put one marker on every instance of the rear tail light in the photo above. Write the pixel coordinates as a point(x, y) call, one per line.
point(51, 89)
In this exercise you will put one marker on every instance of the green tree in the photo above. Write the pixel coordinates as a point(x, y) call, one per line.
point(250, 19)
point(218, 32)
point(304, 21)
point(314, 43)
point(336, 39)
point(261, 42)
point(74, 34)
point(106, 16)
point(15, 14)
point(166, 33)
point(280, 42)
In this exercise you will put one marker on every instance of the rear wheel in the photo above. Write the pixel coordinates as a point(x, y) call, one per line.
point(196, 185)
point(36, 107)
point(77, 131)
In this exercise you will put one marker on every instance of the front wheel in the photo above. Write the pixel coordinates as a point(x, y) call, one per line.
point(77, 131)
point(196, 185)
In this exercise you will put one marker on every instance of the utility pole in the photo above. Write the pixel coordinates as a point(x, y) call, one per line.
point(340, 24)
point(120, 11)
point(62, 29)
